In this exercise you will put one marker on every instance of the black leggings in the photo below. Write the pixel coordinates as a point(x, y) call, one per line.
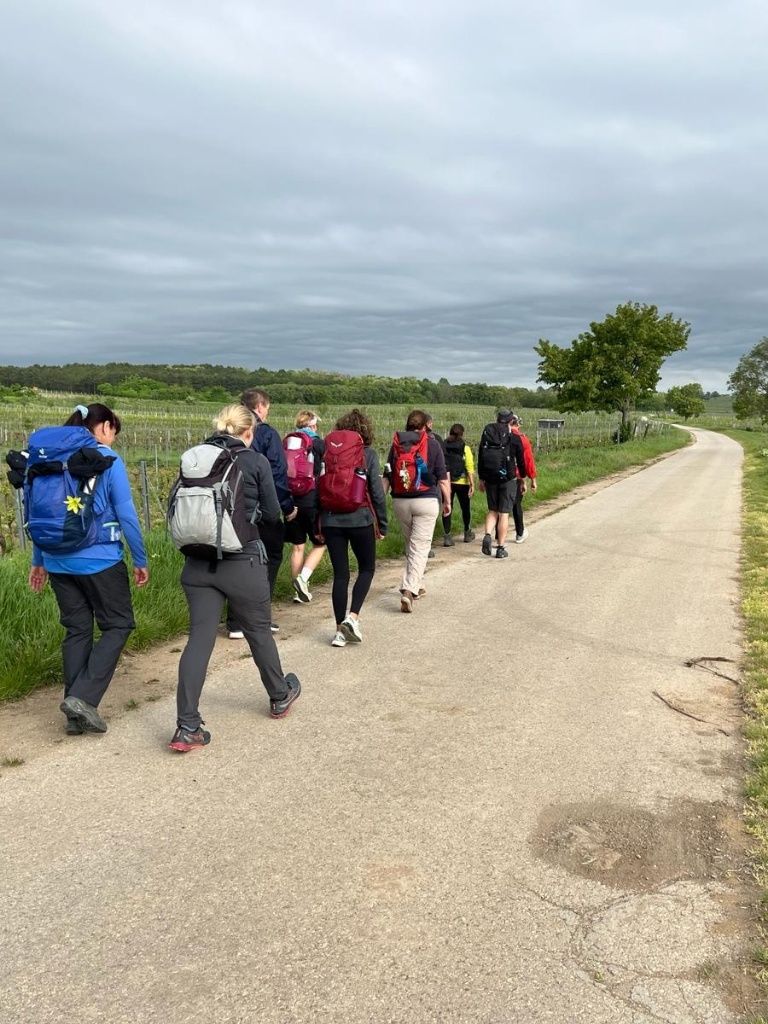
point(517, 512)
point(362, 540)
point(460, 491)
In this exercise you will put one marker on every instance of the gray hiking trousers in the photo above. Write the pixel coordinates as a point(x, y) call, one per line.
point(243, 583)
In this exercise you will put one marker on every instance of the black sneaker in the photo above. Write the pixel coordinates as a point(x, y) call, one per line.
point(274, 627)
point(487, 544)
point(85, 714)
point(185, 740)
point(502, 553)
point(280, 708)
point(73, 727)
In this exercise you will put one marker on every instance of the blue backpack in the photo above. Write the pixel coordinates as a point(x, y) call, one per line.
point(64, 510)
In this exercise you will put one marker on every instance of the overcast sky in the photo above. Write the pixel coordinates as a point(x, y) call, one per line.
point(387, 186)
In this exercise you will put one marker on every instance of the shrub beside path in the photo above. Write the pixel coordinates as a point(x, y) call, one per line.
point(519, 804)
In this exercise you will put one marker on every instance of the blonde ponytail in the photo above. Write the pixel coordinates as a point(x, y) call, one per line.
point(234, 420)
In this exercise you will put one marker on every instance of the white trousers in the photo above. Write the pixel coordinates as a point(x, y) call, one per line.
point(417, 518)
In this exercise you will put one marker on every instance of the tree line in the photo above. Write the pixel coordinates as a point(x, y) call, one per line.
point(207, 382)
point(614, 366)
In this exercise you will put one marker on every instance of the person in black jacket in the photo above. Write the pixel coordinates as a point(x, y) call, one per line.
point(268, 442)
point(239, 578)
point(498, 465)
point(357, 530)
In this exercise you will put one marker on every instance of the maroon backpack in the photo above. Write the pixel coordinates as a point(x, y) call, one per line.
point(300, 463)
point(343, 483)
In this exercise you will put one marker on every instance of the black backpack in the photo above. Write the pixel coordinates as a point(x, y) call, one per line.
point(495, 460)
point(454, 459)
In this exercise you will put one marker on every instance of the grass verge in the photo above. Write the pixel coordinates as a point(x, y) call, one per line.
point(30, 640)
point(755, 675)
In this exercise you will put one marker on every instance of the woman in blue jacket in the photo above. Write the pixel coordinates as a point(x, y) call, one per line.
point(91, 583)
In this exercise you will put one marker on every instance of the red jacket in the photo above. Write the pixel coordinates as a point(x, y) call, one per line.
point(530, 464)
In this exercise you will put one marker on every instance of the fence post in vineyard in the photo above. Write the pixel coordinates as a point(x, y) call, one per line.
point(144, 485)
point(18, 505)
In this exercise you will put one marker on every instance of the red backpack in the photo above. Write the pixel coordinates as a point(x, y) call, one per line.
point(343, 484)
point(300, 461)
point(409, 465)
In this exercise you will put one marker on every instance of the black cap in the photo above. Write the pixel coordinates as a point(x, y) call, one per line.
point(504, 416)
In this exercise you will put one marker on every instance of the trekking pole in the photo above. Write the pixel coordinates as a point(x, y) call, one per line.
point(18, 505)
point(144, 484)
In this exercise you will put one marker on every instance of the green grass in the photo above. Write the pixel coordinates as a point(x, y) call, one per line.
point(755, 676)
point(30, 640)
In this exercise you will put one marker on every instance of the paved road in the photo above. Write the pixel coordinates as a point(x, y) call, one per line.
point(482, 814)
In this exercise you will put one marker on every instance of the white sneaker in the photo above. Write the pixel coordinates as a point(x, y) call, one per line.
point(301, 587)
point(297, 599)
point(350, 629)
point(339, 641)
point(521, 537)
point(236, 634)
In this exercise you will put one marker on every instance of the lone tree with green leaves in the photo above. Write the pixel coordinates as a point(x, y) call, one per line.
point(615, 363)
point(686, 400)
point(749, 383)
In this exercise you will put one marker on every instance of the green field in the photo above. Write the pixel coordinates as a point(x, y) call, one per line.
point(755, 669)
point(31, 636)
point(157, 433)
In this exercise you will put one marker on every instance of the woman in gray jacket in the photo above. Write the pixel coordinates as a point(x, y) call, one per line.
point(239, 578)
point(357, 530)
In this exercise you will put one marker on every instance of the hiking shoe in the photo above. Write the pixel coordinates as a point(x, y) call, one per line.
point(431, 553)
point(422, 593)
point(448, 541)
point(469, 535)
point(406, 601)
point(73, 727)
point(280, 708)
point(302, 590)
point(487, 544)
point(339, 640)
point(274, 627)
point(236, 634)
point(85, 714)
point(502, 553)
point(185, 740)
point(521, 537)
point(351, 629)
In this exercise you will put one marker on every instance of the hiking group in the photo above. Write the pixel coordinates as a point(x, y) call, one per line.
point(239, 497)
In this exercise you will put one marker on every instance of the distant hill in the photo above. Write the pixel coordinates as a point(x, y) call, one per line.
point(722, 405)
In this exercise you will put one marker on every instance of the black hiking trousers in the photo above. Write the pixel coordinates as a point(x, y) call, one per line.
point(242, 581)
point(273, 538)
point(460, 491)
point(104, 598)
point(517, 510)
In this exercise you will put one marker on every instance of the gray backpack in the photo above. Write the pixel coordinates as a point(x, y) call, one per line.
point(206, 509)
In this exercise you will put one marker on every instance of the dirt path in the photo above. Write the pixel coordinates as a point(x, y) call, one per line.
point(517, 805)
point(32, 727)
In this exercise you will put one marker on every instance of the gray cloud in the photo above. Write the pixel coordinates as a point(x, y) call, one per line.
point(396, 188)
